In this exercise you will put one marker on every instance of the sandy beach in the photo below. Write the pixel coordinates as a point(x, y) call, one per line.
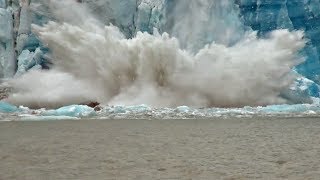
point(161, 149)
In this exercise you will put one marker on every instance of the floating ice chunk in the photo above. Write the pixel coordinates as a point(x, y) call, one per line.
point(126, 109)
point(71, 111)
point(298, 108)
point(118, 110)
point(138, 109)
point(183, 109)
point(7, 108)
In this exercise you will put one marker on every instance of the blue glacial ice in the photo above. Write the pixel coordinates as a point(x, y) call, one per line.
point(7, 108)
point(29, 60)
point(266, 15)
point(21, 50)
point(77, 112)
point(143, 15)
point(70, 111)
point(7, 54)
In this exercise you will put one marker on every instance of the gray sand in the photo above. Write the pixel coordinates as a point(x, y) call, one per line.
point(161, 149)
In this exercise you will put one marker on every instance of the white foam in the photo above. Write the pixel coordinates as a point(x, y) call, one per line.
point(96, 63)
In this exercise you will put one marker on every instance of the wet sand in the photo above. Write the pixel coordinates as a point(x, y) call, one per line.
point(161, 149)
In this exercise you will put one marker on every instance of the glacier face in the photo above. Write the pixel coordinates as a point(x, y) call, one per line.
point(7, 59)
point(267, 15)
point(20, 49)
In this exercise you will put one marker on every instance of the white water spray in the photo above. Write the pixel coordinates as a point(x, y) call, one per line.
point(96, 63)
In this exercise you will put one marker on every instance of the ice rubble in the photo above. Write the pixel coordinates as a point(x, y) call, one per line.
point(71, 111)
point(77, 112)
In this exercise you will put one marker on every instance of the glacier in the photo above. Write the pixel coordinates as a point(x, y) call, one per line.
point(195, 24)
point(7, 58)
point(266, 15)
point(144, 15)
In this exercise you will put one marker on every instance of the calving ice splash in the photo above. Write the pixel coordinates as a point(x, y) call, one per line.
point(170, 54)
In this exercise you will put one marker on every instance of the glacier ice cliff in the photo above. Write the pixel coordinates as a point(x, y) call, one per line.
point(267, 15)
point(132, 16)
point(7, 54)
point(21, 49)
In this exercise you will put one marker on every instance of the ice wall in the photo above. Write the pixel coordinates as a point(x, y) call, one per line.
point(130, 16)
point(16, 38)
point(267, 15)
point(7, 55)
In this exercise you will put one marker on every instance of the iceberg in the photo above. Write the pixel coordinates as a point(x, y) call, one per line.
point(7, 108)
point(71, 111)
point(183, 109)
